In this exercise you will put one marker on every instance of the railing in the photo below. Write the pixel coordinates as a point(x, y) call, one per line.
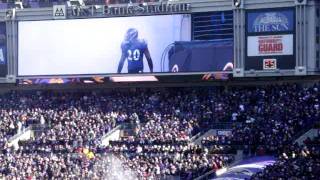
point(19, 134)
point(223, 125)
point(213, 125)
point(195, 137)
point(112, 131)
point(212, 174)
point(305, 129)
point(206, 176)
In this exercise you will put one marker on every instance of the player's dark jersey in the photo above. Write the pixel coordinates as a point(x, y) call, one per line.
point(134, 52)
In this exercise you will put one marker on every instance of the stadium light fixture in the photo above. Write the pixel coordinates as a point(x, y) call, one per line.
point(133, 79)
point(300, 2)
point(18, 5)
point(10, 14)
point(237, 3)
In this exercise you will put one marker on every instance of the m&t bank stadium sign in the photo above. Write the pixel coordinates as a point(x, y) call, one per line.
point(146, 9)
point(131, 9)
point(270, 21)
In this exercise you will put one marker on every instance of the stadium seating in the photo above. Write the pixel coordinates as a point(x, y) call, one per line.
point(296, 162)
point(68, 142)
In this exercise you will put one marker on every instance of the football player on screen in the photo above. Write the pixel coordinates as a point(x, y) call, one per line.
point(133, 50)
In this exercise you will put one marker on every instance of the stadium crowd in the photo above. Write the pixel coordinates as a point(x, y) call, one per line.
point(278, 114)
point(216, 140)
point(67, 142)
point(296, 162)
point(162, 147)
point(73, 123)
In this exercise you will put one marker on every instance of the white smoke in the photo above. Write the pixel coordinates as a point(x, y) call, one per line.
point(110, 167)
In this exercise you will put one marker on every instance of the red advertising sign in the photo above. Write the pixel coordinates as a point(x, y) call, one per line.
point(270, 45)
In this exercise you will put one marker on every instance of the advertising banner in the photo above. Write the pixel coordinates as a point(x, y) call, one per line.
point(270, 21)
point(270, 45)
point(270, 39)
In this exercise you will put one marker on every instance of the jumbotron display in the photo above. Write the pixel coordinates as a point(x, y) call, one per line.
point(108, 46)
point(99, 46)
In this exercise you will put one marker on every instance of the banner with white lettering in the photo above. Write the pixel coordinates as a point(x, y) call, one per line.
point(270, 45)
point(270, 21)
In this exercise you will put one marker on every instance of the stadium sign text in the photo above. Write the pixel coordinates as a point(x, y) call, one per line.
point(271, 21)
point(270, 45)
point(145, 9)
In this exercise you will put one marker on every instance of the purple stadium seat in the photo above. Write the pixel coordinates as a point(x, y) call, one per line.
point(3, 5)
point(34, 5)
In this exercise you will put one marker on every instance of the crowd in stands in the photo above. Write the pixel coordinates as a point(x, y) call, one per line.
point(187, 161)
point(72, 123)
point(16, 113)
point(276, 116)
point(219, 144)
point(296, 162)
point(67, 144)
point(216, 140)
point(186, 165)
point(161, 147)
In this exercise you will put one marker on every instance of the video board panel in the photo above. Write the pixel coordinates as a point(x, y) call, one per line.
point(270, 39)
point(98, 46)
point(3, 50)
point(121, 45)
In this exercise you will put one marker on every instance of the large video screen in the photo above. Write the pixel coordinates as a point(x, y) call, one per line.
point(100, 46)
